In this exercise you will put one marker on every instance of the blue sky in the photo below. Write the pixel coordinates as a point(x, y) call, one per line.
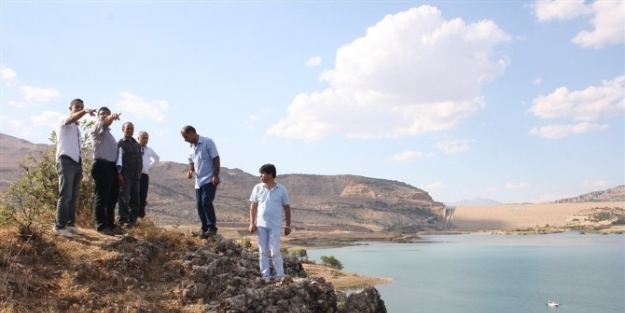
point(516, 101)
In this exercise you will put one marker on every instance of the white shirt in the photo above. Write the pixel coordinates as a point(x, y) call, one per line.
point(271, 204)
point(68, 140)
point(150, 159)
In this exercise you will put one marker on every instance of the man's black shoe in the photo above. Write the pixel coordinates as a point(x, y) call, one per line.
point(106, 231)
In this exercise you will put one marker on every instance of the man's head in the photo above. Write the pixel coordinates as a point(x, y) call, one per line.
point(76, 105)
point(143, 138)
point(128, 129)
point(103, 112)
point(267, 170)
point(189, 134)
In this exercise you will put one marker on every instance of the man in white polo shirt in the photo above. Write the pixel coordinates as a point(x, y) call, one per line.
point(69, 168)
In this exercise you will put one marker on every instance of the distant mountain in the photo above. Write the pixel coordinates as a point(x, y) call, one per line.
point(345, 201)
point(613, 194)
point(476, 201)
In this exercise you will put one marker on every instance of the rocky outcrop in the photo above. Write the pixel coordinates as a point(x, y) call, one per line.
point(221, 276)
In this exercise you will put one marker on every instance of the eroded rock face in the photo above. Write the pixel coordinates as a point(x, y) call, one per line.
point(223, 277)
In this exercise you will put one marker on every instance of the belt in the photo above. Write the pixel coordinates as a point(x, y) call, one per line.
point(105, 161)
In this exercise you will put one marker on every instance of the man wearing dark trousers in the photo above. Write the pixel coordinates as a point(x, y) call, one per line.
point(132, 166)
point(69, 169)
point(104, 173)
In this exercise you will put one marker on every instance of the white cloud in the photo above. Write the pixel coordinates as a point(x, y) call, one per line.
point(548, 197)
point(595, 184)
point(413, 72)
point(253, 118)
point(37, 94)
point(313, 61)
point(590, 104)
point(454, 146)
point(609, 25)
point(8, 126)
point(433, 186)
point(521, 185)
point(560, 131)
point(46, 119)
point(547, 10)
point(9, 76)
point(607, 19)
point(19, 104)
point(142, 108)
point(538, 81)
point(407, 156)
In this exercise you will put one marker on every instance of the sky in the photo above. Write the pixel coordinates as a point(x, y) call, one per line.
point(514, 101)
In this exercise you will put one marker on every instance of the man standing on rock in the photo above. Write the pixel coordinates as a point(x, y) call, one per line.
point(104, 173)
point(269, 200)
point(69, 168)
point(132, 166)
point(204, 161)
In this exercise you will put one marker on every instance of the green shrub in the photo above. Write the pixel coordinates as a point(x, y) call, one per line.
point(30, 202)
point(331, 261)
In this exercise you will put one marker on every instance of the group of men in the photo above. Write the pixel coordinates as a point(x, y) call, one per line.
point(120, 172)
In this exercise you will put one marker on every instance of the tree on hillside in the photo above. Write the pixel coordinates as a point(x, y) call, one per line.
point(30, 202)
point(331, 261)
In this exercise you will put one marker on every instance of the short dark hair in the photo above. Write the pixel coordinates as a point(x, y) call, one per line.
point(104, 109)
point(188, 128)
point(268, 169)
point(76, 101)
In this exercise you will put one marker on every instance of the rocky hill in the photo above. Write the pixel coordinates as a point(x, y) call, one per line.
point(153, 270)
point(608, 195)
point(345, 202)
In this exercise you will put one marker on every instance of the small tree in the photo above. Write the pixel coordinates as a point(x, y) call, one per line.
point(30, 202)
point(246, 243)
point(303, 255)
point(331, 261)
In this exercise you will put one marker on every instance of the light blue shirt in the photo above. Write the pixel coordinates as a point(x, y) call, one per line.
point(201, 156)
point(271, 204)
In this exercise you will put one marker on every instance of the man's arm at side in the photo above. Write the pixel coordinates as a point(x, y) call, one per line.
point(253, 209)
point(287, 217)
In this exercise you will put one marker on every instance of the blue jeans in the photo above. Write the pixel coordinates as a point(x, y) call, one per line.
point(70, 175)
point(204, 197)
point(269, 247)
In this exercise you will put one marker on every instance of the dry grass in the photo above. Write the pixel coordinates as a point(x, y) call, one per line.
point(54, 274)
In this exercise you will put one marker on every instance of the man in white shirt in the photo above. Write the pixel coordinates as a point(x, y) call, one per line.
point(150, 160)
point(69, 169)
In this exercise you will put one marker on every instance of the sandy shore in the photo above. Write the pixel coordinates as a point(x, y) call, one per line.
point(343, 280)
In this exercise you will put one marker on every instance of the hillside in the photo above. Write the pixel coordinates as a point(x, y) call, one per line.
point(345, 202)
point(153, 270)
point(612, 194)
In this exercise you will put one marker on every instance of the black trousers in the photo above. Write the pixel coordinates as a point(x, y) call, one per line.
point(144, 183)
point(128, 204)
point(104, 174)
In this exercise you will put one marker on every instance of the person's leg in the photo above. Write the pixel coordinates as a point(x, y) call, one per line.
point(113, 197)
point(103, 184)
point(263, 251)
point(207, 203)
point(75, 194)
point(143, 194)
point(199, 195)
point(134, 200)
point(276, 254)
point(66, 172)
point(123, 209)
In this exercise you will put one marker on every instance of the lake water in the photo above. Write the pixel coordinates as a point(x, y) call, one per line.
point(494, 273)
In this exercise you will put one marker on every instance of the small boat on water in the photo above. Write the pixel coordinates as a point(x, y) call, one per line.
point(553, 304)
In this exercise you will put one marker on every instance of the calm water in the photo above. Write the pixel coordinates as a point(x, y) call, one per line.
point(490, 273)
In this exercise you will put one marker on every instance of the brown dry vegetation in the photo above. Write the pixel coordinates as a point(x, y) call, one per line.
point(46, 273)
point(510, 217)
